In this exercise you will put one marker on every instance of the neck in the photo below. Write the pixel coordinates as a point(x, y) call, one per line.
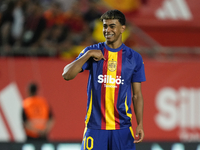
point(32, 94)
point(114, 45)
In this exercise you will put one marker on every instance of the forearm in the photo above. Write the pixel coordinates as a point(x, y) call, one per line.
point(49, 126)
point(5, 32)
point(28, 126)
point(138, 108)
point(71, 70)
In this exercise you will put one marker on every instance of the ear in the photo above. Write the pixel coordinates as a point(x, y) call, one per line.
point(123, 27)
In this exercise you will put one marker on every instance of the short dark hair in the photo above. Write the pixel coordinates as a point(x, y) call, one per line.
point(114, 14)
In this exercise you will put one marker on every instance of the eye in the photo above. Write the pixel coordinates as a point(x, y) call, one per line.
point(105, 26)
point(112, 26)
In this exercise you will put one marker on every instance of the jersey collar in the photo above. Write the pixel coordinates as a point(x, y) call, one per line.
point(114, 50)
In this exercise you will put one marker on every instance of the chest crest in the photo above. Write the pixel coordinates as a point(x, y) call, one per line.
point(112, 65)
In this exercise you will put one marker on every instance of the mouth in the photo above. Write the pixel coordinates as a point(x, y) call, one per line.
point(109, 35)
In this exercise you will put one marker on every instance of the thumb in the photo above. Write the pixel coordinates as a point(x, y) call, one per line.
point(136, 134)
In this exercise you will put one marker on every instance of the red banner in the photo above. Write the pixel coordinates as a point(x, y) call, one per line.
point(171, 95)
point(170, 22)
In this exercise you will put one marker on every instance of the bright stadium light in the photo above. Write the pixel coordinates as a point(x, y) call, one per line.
point(47, 147)
point(178, 146)
point(28, 147)
point(156, 146)
point(67, 146)
point(198, 147)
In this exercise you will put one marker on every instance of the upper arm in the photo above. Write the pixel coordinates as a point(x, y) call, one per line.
point(87, 64)
point(139, 72)
point(24, 117)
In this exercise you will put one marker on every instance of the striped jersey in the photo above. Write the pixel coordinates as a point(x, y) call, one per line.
point(109, 86)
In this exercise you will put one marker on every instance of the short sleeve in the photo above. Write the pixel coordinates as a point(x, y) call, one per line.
point(139, 72)
point(87, 64)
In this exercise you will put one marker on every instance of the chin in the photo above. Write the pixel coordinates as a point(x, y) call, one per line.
point(109, 41)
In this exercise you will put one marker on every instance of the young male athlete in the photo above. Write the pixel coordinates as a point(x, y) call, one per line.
point(114, 69)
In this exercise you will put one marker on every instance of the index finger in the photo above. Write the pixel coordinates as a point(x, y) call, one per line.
point(138, 141)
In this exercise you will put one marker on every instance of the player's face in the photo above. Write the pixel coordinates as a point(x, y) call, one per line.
point(112, 30)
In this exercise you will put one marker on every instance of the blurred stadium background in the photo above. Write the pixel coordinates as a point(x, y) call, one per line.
point(38, 38)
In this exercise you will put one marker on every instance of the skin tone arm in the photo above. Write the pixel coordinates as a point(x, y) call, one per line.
point(29, 125)
point(48, 128)
point(71, 70)
point(138, 108)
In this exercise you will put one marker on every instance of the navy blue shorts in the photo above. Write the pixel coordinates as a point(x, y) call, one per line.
point(121, 139)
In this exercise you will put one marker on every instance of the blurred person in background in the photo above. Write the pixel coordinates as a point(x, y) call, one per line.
point(37, 115)
point(54, 15)
point(6, 22)
point(56, 30)
point(18, 21)
point(56, 39)
point(11, 23)
point(78, 31)
point(115, 73)
point(93, 13)
point(45, 3)
point(76, 24)
point(34, 26)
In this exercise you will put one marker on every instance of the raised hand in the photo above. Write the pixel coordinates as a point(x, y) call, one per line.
point(96, 54)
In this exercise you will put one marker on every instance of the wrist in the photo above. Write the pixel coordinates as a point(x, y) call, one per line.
point(140, 124)
point(89, 53)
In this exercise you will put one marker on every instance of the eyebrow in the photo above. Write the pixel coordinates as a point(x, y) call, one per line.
point(110, 24)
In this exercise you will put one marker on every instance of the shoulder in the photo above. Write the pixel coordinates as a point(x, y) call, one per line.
point(34, 100)
point(27, 102)
point(97, 46)
point(131, 54)
point(40, 100)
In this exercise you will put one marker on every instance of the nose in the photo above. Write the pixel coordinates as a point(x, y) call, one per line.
point(107, 29)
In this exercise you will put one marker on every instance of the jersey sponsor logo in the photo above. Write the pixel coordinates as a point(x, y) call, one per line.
point(109, 79)
point(179, 109)
point(174, 10)
point(112, 65)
